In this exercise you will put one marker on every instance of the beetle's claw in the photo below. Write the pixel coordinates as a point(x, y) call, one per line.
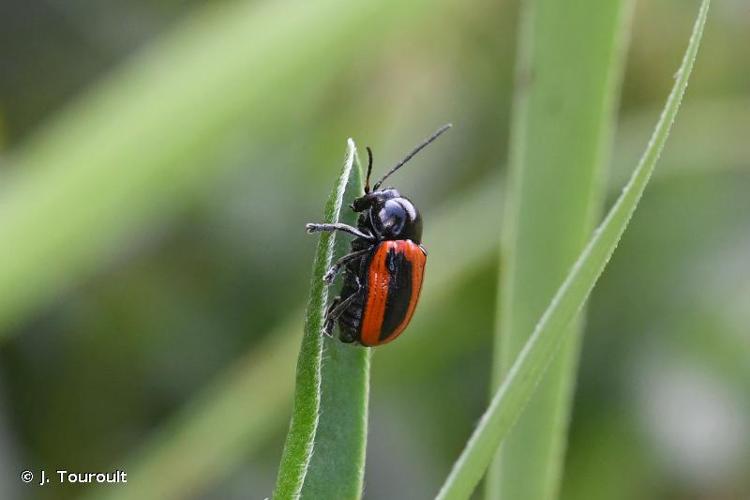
point(347, 339)
point(329, 276)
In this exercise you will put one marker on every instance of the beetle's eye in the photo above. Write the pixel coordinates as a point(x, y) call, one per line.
point(391, 217)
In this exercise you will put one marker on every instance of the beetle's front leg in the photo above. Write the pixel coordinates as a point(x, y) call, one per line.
point(314, 228)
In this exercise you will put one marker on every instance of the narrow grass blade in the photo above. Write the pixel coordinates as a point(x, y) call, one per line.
point(570, 61)
point(307, 398)
point(549, 333)
point(337, 465)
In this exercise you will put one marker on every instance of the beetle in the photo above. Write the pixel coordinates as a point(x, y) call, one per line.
point(384, 269)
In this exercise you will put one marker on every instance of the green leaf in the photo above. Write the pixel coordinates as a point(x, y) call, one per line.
point(562, 130)
point(337, 466)
point(550, 332)
point(301, 439)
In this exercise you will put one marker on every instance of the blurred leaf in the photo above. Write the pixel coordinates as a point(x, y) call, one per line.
point(571, 58)
point(692, 150)
point(140, 142)
point(213, 432)
point(611, 462)
point(551, 331)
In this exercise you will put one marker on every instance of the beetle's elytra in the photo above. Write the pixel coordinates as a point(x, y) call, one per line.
point(383, 272)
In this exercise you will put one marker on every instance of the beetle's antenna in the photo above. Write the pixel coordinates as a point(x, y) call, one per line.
point(369, 169)
point(416, 150)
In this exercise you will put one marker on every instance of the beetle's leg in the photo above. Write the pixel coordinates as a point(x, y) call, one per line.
point(336, 267)
point(329, 320)
point(335, 310)
point(346, 338)
point(314, 228)
point(338, 307)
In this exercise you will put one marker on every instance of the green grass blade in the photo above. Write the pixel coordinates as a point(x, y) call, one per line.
point(337, 466)
point(570, 61)
point(307, 397)
point(549, 333)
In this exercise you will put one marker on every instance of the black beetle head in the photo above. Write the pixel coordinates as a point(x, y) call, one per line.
point(390, 215)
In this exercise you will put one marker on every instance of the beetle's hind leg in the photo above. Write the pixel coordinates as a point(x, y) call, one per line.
point(337, 308)
point(329, 318)
point(336, 267)
point(314, 228)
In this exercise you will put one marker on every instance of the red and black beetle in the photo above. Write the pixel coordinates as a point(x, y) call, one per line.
point(384, 270)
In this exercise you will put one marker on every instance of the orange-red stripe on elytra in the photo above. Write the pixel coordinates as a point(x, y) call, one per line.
point(377, 294)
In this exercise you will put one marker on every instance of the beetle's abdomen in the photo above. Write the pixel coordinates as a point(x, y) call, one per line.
point(394, 280)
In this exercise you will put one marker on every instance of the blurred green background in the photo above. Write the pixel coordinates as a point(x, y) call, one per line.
point(196, 272)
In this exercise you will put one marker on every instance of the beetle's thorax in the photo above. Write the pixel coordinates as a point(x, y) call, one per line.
point(389, 215)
